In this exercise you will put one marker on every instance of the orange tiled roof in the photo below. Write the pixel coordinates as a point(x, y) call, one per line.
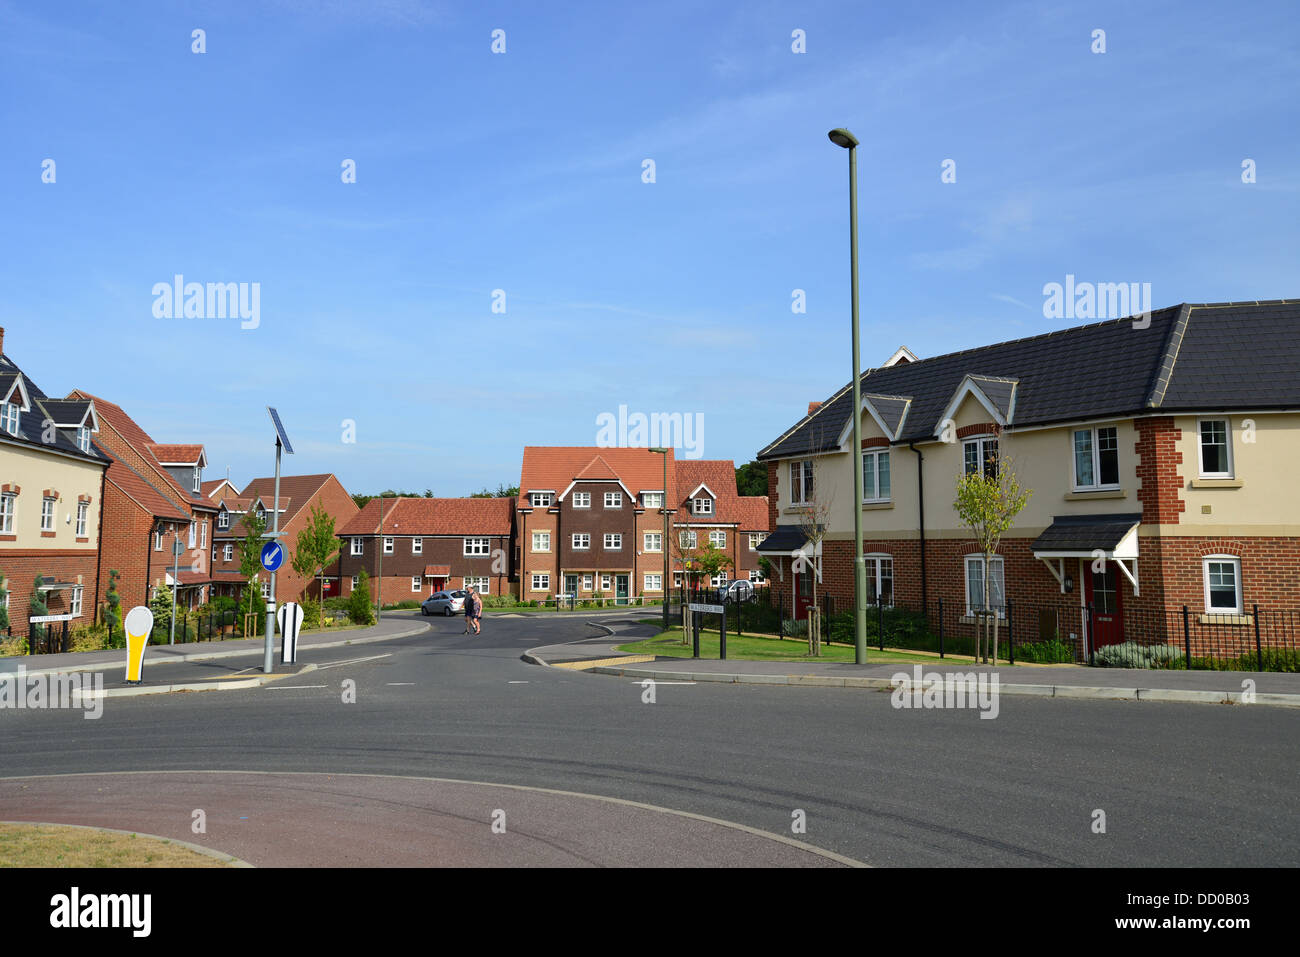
point(434, 516)
point(177, 454)
point(749, 512)
point(555, 467)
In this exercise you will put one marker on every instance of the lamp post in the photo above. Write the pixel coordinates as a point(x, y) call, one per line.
point(663, 585)
point(843, 138)
point(379, 587)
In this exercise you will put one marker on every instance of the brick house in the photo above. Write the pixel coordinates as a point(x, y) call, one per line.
point(1162, 455)
point(51, 499)
point(591, 519)
point(425, 545)
point(299, 494)
point(173, 500)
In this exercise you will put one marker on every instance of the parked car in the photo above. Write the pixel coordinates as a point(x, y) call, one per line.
point(742, 589)
point(444, 603)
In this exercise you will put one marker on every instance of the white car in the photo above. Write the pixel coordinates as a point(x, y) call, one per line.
point(742, 589)
point(444, 603)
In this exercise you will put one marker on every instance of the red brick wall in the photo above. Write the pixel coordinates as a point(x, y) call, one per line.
point(772, 496)
point(1159, 480)
point(20, 568)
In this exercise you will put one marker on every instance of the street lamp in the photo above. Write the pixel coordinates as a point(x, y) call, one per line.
point(663, 585)
point(843, 138)
point(379, 587)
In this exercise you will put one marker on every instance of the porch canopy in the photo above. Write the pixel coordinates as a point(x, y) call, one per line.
point(786, 540)
point(1090, 537)
point(437, 571)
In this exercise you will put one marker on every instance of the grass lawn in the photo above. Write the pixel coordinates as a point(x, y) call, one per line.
point(668, 644)
point(50, 845)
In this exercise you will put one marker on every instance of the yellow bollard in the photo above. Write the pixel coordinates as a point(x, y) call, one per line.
point(139, 623)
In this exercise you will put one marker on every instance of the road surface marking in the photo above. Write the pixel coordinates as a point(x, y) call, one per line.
point(291, 687)
point(353, 661)
point(398, 684)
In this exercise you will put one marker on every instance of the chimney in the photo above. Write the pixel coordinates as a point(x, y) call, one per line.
point(2, 340)
point(812, 406)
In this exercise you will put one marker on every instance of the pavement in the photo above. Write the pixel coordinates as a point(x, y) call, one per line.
point(601, 656)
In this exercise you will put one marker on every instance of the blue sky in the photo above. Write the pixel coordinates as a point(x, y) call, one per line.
point(522, 172)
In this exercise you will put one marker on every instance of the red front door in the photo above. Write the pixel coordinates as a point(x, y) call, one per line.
point(1102, 591)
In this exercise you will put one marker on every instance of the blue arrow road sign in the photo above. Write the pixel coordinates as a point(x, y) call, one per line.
point(272, 556)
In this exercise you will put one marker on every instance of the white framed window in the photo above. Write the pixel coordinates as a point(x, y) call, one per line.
point(541, 583)
point(76, 601)
point(198, 479)
point(540, 499)
point(480, 582)
point(9, 418)
point(613, 541)
point(266, 589)
point(8, 507)
point(358, 546)
point(582, 500)
point(83, 439)
point(1222, 574)
point(875, 476)
point(606, 582)
point(718, 539)
point(1096, 457)
point(356, 580)
point(417, 583)
point(975, 585)
point(756, 576)
point(801, 482)
point(1215, 445)
point(83, 518)
point(228, 553)
point(687, 539)
point(388, 545)
point(541, 541)
point(982, 451)
point(755, 541)
point(47, 514)
point(214, 554)
point(417, 546)
point(652, 542)
point(223, 521)
point(581, 541)
point(477, 546)
point(613, 499)
point(653, 583)
point(588, 580)
point(157, 541)
point(261, 514)
point(880, 579)
point(702, 505)
point(652, 499)
point(193, 533)
point(718, 580)
point(203, 534)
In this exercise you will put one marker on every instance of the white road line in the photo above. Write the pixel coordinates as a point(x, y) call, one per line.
point(353, 661)
point(657, 682)
point(399, 684)
point(516, 682)
point(292, 687)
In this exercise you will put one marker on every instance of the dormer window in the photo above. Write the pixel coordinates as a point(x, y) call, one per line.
point(223, 520)
point(261, 514)
point(652, 499)
point(197, 479)
point(540, 499)
point(83, 438)
point(702, 506)
point(9, 418)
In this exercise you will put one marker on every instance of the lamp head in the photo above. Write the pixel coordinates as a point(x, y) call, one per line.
point(842, 137)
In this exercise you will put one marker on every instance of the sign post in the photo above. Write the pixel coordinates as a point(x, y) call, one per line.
point(290, 619)
point(276, 555)
point(699, 608)
point(138, 625)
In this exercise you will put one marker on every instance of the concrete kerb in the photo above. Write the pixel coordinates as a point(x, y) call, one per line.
point(233, 653)
point(234, 684)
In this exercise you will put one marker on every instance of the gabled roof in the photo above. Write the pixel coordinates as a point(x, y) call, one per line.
point(1206, 357)
point(718, 477)
point(997, 396)
point(14, 383)
point(433, 516)
point(889, 411)
point(133, 485)
point(179, 455)
point(551, 468)
point(71, 413)
point(31, 429)
point(295, 492)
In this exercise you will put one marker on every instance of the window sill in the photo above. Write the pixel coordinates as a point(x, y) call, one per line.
point(873, 506)
point(1084, 495)
point(1225, 619)
point(1216, 483)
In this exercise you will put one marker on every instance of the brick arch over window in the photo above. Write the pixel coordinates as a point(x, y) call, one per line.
point(979, 428)
point(1221, 547)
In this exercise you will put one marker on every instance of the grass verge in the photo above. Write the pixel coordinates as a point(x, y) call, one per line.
point(668, 644)
point(53, 845)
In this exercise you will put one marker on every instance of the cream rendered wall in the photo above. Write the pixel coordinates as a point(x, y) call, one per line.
point(33, 472)
point(1267, 463)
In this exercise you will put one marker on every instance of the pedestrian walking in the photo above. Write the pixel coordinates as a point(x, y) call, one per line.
point(476, 610)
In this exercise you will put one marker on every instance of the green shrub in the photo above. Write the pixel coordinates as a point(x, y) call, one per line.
point(499, 601)
point(360, 610)
point(310, 612)
point(1133, 654)
point(402, 605)
point(1050, 652)
point(338, 603)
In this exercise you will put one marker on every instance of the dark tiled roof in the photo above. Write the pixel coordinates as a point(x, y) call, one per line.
point(1190, 357)
point(1085, 533)
point(786, 539)
point(30, 423)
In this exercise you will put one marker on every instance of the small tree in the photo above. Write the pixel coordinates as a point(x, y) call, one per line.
point(360, 610)
point(814, 517)
point(250, 564)
point(113, 614)
point(988, 502)
point(317, 547)
point(4, 603)
point(161, 606)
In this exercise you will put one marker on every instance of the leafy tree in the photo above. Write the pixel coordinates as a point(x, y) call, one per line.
point(360, 610)
point(317, 547)
point(113, 614)
point(751, 478)
point(502, 491)
point(161, 606)
point(250, 564)
point(4, 604)
point(988, 501)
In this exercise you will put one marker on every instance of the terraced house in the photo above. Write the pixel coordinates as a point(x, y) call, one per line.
point(413, 547)
point(591, 520)
point(51, 496)
point(1162, 457)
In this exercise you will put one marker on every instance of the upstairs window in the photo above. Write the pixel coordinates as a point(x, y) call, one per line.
point(417, 546)
point(1096, 458)
point(540, 499)
point(198, 479)
point(477, 546)
point(718, 539)
point(875, 476)
point(613, 542)
point(702, 506)
point(9, 418)
point(981, 454)
point(581, 541)
point(653, 542)
point(801, 482)
point(541, 541)
point(1216, 448)
point(613, 499)
point(358, 546)
point(687, 539)
point(8, 503)
point(83, 438)
point(47, 515)
point(83, 513)
point(388, 545)
point(652, 499)
point(582, 500)
point(223, 521)
point(228, 553)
